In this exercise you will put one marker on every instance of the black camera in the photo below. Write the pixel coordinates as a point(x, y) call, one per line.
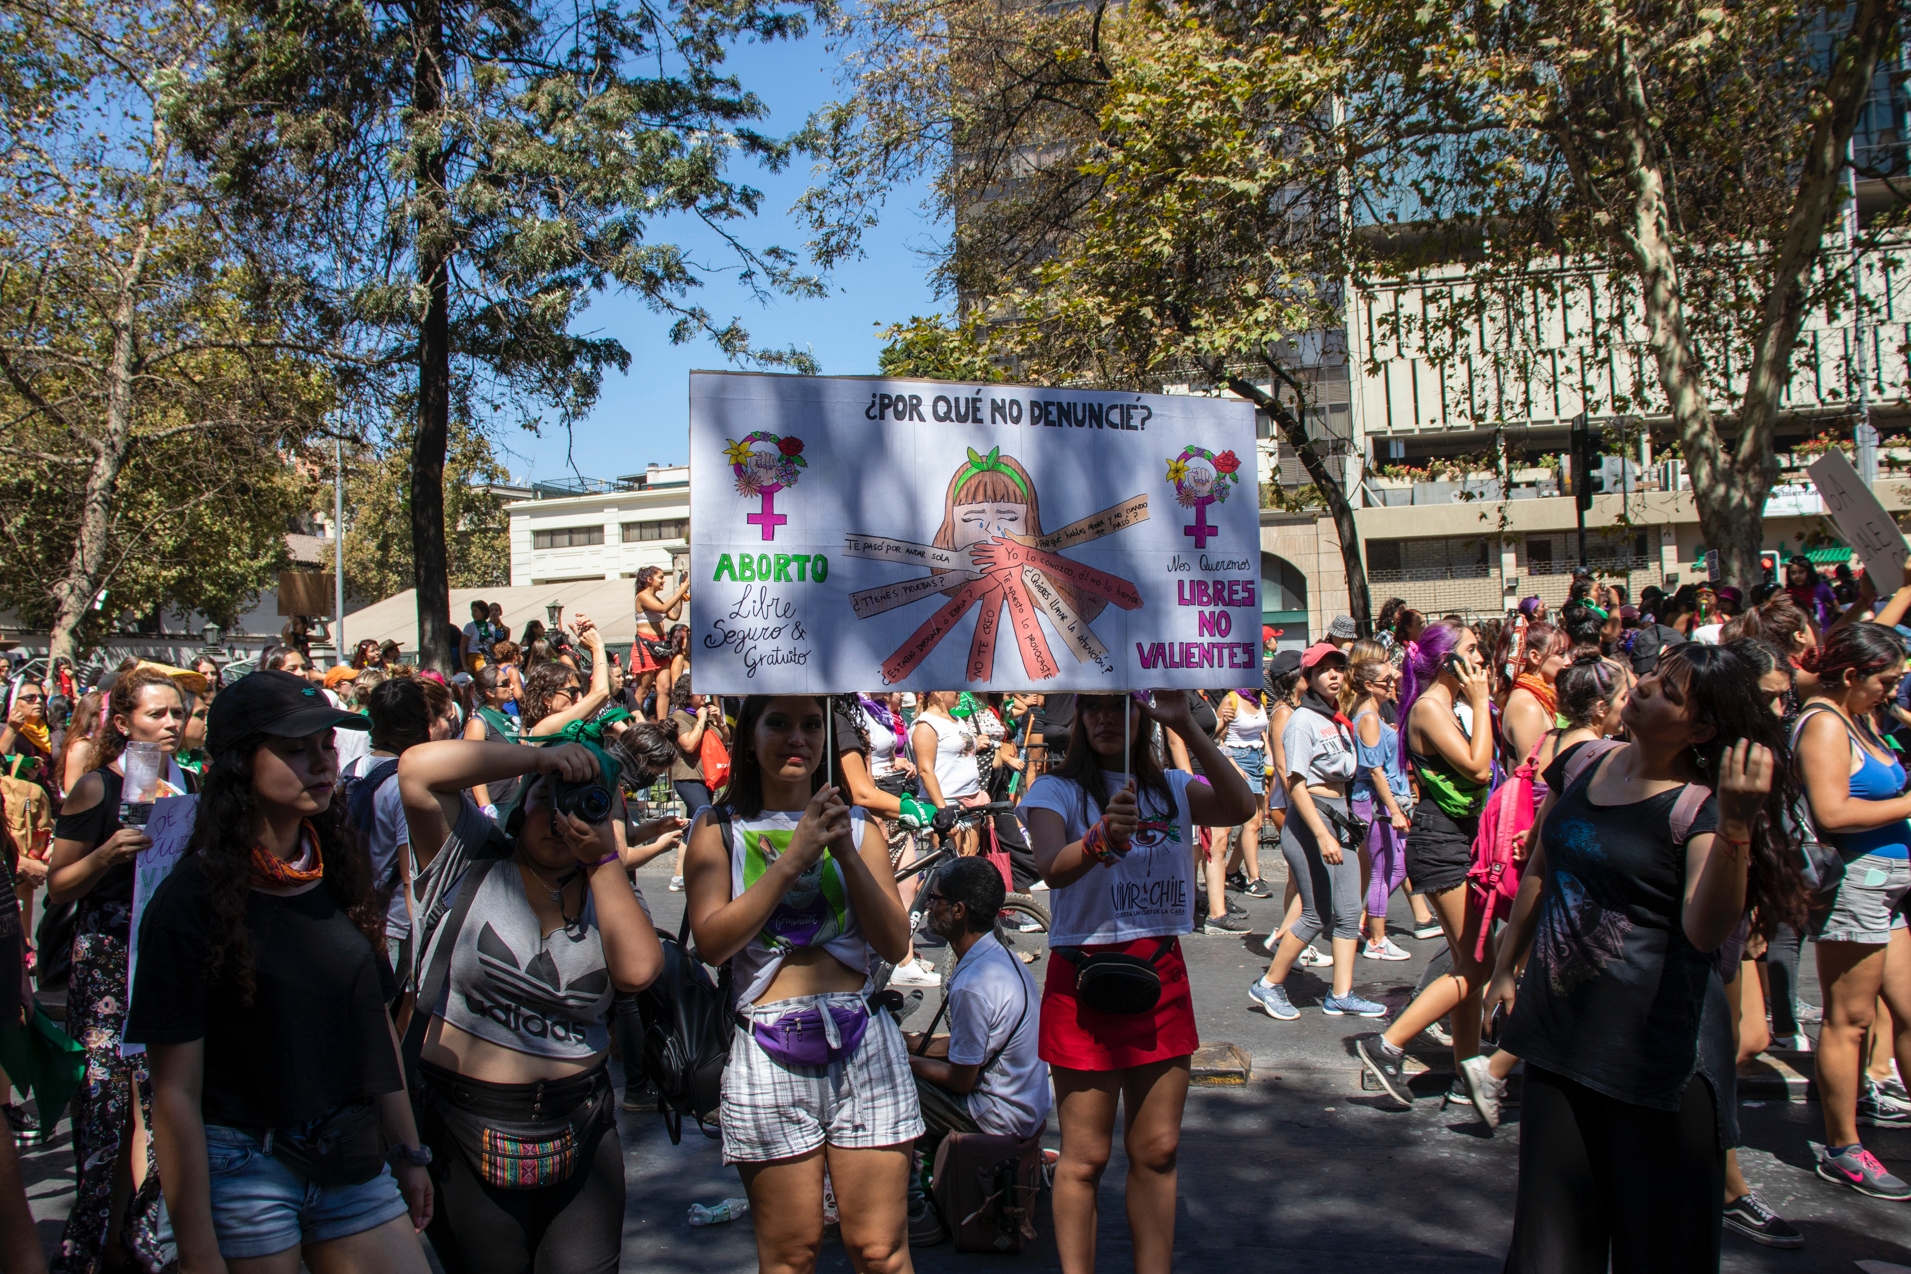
point(589, 800)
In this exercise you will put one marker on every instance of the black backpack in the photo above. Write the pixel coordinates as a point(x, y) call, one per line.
point(687, 1030)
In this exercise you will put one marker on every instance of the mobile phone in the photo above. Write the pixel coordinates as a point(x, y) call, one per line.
point(1454, 664)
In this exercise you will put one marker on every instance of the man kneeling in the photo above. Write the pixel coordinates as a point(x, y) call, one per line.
point(985, 1075)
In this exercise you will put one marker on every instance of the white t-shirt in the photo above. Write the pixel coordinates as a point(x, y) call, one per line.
point(882, 744)
point(478, 639)
point(995, 1004)
point(956, 774)
point(1319, 749)
point(1148, 893)
point(1708, 633)
point(352, 746)
point(1248, 726)
point(390, 838)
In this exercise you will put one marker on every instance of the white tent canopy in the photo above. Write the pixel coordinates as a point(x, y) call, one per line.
point(607, 601)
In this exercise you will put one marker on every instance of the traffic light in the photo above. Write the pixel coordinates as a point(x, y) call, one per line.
point(1582, 461)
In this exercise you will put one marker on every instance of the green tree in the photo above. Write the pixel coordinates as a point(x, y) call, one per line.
point(930, 349)
point(378, 557)
point(471, 175)
point(155, 395)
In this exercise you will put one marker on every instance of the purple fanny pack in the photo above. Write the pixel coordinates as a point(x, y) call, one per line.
point(814, 1036)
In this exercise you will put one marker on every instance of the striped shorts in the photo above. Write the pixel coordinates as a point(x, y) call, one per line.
point(771, 1111)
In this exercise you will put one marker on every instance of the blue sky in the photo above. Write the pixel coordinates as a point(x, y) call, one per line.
point(643, 416)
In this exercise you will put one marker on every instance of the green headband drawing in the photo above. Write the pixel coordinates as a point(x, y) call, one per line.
point(992, 463)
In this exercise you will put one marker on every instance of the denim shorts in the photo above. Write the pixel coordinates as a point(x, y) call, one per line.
point(1870, 903)
point(1253, 763)
point(260, 1206)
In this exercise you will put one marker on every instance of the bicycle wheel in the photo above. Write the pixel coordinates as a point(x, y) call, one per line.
point(1019, 910)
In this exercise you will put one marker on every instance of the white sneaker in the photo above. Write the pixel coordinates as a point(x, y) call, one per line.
point(1385, 949)
point(1273, 942)
point(915, 972)
point(1312, 958)
point(1040, 886)
point(676, 884)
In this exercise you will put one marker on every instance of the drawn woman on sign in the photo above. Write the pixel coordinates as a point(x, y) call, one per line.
point(992, 497)
point(1001, 563)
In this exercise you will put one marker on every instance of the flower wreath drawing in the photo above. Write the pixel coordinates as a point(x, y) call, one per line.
point(1202, 478)
point(765, 464)
point(991, 555)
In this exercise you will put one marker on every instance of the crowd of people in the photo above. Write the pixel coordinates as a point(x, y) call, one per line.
point(382, 990)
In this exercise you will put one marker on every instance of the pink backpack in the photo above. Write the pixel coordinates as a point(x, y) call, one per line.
point(1510, 812)
point(1494, 878)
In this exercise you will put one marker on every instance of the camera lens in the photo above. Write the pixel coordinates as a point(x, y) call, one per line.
point(588, 801)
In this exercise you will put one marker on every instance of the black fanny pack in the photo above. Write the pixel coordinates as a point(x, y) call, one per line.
point(343, 1148)
point(521, 1136)
point(897, 783)
point(1116, 982)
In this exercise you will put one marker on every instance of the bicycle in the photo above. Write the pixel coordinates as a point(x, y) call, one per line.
point(1027, 915)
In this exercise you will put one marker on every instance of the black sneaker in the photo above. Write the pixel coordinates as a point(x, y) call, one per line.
point(1258, 888)
point(1236, 881)
point(26, 1125)
point(1226, 924)
point(925, 1223)
point(1235, 908)
point(1749, 1216)
point(1391, 1072)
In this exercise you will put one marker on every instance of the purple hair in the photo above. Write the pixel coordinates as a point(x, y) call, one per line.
point(1424, 658)
point(1531, 607)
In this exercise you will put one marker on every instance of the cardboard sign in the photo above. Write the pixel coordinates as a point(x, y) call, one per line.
point(854, 534)
point(1861, 519)
point(170, 827)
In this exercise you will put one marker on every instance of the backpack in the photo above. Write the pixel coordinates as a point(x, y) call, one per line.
point(361, 797)
point(29, 810)
point(1494, 877)
point(986, 1185)
point(715, 759)
point(1691, 799)
point(688, 1028)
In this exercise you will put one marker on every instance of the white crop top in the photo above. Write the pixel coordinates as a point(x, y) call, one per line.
point(817, 912)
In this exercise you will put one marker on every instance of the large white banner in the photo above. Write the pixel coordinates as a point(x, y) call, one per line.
point(850, 533)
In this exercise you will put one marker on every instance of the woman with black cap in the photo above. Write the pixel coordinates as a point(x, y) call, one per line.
point(260, 996)
point(524, 936)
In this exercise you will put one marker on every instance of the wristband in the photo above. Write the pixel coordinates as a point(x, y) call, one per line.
point(1098, 845)
point(611, 857)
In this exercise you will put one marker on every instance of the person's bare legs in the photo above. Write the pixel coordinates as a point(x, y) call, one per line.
point(1422, 914)
point(1851, 974)
point(786, 1207)
point(1458, 993)
point(1215, 869)
point(1153, 1098)
point(872, 1196)
point(1085, 1104)
point(1251, 839)
point(392, 1248)
point(1881, 1040)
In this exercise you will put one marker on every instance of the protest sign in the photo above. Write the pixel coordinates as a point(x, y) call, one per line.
point(169, 828)
point(852, 533)
point(1861, 519)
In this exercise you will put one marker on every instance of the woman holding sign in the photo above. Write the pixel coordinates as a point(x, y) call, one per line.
point(1114, 838)
point(117, 1197)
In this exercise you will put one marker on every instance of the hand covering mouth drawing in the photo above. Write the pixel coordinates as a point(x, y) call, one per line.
point(991, 555)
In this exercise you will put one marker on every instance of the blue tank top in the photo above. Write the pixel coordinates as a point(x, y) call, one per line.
point(1876, 781)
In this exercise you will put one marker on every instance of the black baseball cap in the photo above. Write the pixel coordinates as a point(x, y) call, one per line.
point(276, 703)
point(1283, 662)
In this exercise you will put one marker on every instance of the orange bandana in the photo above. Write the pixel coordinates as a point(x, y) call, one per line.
point(272, 871)
point(1535, 685)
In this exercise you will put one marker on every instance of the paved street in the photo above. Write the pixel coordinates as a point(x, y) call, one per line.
point(1299, 1169)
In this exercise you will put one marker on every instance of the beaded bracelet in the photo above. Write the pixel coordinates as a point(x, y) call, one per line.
point(1095, 845)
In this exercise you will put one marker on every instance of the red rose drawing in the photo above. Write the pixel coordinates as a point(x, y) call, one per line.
point(1226, 462)
point(790, 446)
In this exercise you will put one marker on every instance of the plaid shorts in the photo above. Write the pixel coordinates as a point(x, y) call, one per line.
point(771, 1111)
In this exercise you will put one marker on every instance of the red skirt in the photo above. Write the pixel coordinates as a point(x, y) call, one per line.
point(641, 660)
point(1081, 1039)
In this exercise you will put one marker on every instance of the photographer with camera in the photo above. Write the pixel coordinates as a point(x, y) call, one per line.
point(524, 935)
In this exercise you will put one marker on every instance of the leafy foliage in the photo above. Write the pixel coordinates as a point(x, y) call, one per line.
point(378, 559)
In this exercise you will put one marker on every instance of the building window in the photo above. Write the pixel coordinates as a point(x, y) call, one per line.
point(667, 529)
point(567, 537)
point(1402, 561)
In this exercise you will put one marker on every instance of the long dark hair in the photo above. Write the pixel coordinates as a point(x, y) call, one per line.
point(742, 796)
point(1864, 648)
point(1082, 765)
point(1721, 684)
point(223, 834)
